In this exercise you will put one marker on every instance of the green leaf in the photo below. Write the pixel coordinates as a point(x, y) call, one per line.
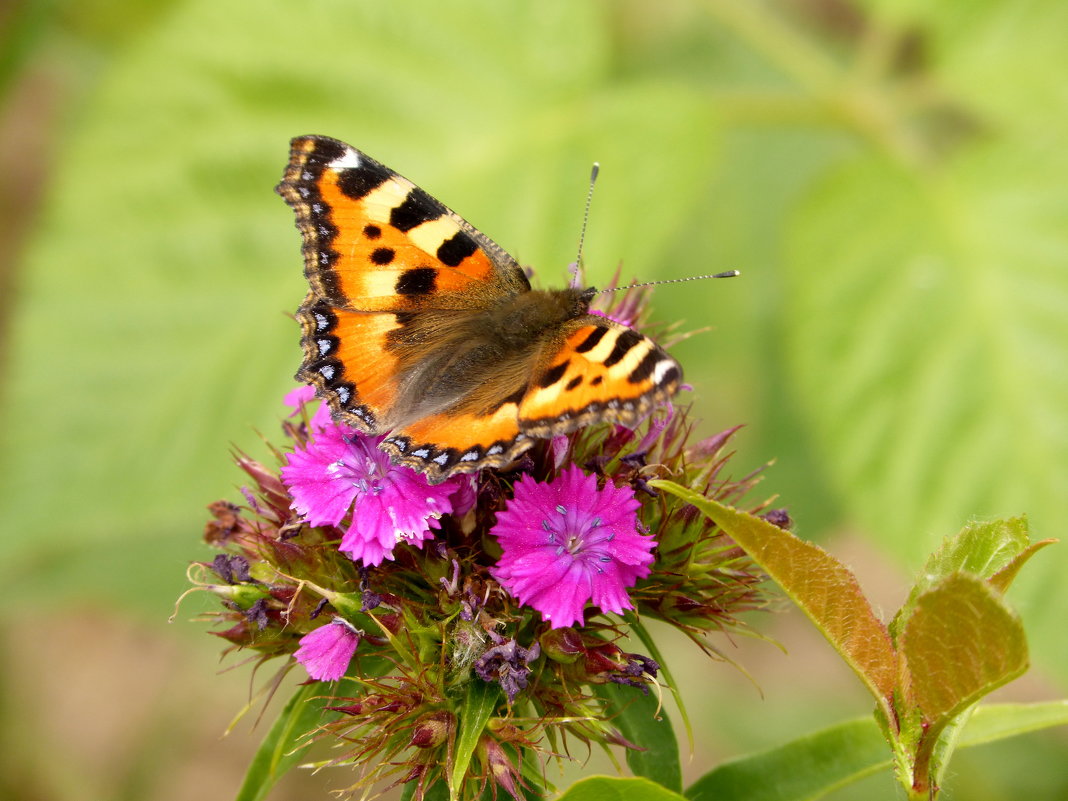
point(640, 718)
point(993, 550)
point(438, 791)
point(479, 704)
point(821, 586)
point(980, 548)
point(960, 642)
point(926, 309)
point(1006, 575)
point(812, 766)
point(610, 788)
point(998, 721)
point(285, 743)
point(926, 322)
point(643, 634)
point(803, 769)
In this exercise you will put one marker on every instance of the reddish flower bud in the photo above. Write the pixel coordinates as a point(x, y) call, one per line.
point(432, 730)
point(239, 634)
point(602, 660)
point(369, 704)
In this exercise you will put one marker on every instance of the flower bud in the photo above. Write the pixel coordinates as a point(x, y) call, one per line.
point(504, 773)
point(242, 595)
point(562, 645)
point(370, 704)
point(431, 730)
point(603, 660)
point(779, 517)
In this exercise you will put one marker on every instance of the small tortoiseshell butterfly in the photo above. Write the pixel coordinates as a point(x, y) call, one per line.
point(421, 327)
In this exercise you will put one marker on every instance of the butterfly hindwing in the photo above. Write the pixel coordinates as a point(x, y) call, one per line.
point(598, 369)
point(347, 358)
point(594, 370)
point(449, 443)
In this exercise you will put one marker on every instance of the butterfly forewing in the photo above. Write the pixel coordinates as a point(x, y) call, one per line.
point(373, 241)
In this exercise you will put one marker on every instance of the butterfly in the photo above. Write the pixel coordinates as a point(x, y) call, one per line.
point(420, 327)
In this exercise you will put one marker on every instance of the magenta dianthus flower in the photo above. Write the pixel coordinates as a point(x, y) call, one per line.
point(299, 398)
point(567, 542)
point(343, 469)
point(327, 651)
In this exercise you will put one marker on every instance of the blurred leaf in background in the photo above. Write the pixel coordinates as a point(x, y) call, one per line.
point(888, 176)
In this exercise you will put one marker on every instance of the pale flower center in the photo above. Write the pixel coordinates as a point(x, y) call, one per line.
point(575, 534)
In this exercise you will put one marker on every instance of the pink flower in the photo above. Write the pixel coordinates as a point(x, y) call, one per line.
point(299, 398)
point(567, 542)
point(327, 651)
point(342, 470)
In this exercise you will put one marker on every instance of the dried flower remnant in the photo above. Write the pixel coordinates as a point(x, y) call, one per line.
point(508, 664)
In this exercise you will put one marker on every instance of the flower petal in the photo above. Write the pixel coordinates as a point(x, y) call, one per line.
point(327, 651)
point(566, 542)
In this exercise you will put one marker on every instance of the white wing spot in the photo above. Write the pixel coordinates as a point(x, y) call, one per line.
point(350, 159)
point(663, 367)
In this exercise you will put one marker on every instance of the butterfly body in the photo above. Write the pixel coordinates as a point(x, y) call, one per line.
point(420, 327)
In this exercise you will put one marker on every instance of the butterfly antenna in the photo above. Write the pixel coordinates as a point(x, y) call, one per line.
point(585, 219)
point(727, 274)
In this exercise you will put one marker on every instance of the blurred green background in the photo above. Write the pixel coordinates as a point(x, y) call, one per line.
point(890, 177)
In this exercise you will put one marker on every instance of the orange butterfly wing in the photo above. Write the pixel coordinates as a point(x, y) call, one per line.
point(408, 327)
point(376, 248)
point(373, 241)
point(601, 370)
point(594, 370)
